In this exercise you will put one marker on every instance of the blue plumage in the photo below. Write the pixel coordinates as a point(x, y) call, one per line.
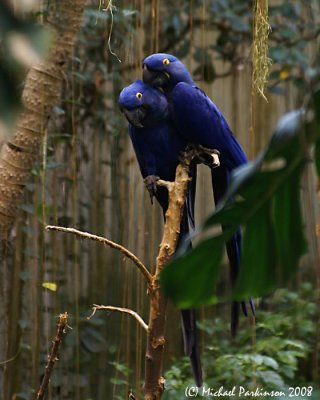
point(158, 146)
point(198, 120)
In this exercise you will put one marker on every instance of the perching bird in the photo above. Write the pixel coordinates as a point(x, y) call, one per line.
point(199, 121)
point(158, 147)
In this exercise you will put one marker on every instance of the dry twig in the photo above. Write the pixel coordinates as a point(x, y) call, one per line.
point(134, 314)
point(85, 235)
point(52, 358)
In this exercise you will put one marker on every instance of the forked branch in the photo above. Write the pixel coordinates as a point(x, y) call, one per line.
point(154, 382)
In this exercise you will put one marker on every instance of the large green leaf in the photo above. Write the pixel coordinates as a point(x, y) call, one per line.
point(287, 220)
point(264, 198)
point(258, 261)
point(191, 281)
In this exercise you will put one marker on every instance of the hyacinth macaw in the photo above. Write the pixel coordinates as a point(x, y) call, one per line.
point(199, 121)
point(158, 147)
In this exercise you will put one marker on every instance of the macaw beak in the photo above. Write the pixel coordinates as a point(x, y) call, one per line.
point(159, 79)
point(135, 116)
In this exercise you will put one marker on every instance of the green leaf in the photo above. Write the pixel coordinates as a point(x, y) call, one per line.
point(257, 266)
point(270, 377)
point(289, 237)
point(237, 23)
point(285, 140)
point(263, 196)
point(118, 381)
point(279, 54)
point(190, 279)
point(123, 368)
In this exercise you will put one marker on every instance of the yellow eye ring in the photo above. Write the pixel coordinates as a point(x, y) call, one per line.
point(165, 61)
point(139, 95)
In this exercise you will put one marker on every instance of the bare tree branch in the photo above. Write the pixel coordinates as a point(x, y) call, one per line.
point(85, 235)
point(134, 314)
point(154, 382)
point(53, 356)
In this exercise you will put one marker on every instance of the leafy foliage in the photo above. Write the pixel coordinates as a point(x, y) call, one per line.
point(264, 197)
point(270, 355)
point(293, 27)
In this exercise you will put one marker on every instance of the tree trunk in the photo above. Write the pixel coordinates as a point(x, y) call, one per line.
point(40, 94)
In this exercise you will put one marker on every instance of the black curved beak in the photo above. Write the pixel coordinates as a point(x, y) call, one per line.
point(135, 116)
point(155, 78)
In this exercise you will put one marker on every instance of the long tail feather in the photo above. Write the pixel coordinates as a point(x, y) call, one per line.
point(233, 252)
point(189, 328)
point(252, 307)
point(190, 339)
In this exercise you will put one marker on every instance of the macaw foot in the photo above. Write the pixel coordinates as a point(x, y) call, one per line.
point(208, 156)
point(204, 155)
point(151, 184)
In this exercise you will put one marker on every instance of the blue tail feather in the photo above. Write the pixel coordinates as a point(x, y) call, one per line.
point(188, 317)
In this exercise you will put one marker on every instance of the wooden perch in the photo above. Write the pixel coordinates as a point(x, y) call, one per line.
point(53, 356)
point(85, 235)
point(154, 382)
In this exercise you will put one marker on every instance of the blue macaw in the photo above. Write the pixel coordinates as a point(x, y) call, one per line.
point(158, 147)
point(199, 121)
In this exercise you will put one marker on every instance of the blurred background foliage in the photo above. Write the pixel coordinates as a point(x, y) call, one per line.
point(273, 354)
point(22, 42)
point(87, 178)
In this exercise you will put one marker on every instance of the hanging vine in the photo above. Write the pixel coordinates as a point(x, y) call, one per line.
point(260, 61)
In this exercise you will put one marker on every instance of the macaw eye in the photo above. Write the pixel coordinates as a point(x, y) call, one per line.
point(165, 61)
point(139, 95)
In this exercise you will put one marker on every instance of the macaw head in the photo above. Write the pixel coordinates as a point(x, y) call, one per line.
point(164, 71)
point(143, 105)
